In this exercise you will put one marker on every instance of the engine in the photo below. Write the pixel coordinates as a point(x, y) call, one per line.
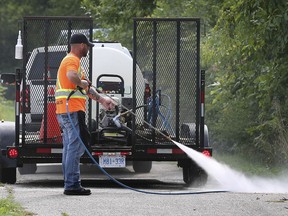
point(116, 117)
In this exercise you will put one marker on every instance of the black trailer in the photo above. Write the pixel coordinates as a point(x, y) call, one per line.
point(166, 51)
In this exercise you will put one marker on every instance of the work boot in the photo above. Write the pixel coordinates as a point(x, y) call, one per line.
point(81, 191)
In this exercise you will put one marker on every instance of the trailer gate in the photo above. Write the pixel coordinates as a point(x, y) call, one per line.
point(37, 119)
point(167, 51)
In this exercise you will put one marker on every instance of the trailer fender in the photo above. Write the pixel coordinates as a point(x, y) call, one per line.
point(7, 166)
point(7, 138)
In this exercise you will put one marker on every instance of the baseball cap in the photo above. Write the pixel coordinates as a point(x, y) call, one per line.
point(80, 38)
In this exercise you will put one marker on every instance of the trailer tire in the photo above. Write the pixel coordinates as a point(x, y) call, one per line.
point(8, 175)
point(142, 166)
point(27, 169)
point(193, 175)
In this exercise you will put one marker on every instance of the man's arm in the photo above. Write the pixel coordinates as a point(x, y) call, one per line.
point(73, 77)
point(93, 94)
point(107, 102)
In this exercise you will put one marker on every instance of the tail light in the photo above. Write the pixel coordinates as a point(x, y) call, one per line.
point(12, 153)
point(206, 153)
point(27, 105)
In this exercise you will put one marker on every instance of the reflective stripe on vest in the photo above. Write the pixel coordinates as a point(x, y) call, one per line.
point(64, 93)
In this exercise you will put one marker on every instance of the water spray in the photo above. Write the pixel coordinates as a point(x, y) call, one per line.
point(235, 181)
point(230, 179)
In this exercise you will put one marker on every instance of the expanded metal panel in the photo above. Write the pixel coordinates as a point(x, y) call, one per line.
point(45, 43)
point(167, 53)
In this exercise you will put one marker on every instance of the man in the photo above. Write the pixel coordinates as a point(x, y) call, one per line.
point(70, 77)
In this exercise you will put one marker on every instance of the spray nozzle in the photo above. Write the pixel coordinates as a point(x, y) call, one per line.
point(116, 120)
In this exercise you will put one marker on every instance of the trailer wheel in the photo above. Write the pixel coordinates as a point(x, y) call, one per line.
point(142, 166)
point(8, 175)
point(194, 176)
point(27, 169)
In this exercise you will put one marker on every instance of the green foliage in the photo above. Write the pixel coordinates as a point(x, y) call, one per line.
point(7, 110)
point(118, 16)
point(248, 51)
point(207, 10)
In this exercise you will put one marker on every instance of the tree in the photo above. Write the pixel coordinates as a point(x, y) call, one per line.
point(117, 16)
point(248, 51)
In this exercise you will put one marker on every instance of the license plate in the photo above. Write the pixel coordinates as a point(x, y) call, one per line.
point(112, 161)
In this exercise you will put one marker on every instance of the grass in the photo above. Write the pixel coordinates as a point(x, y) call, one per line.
point(8, 206)
point(7, 110)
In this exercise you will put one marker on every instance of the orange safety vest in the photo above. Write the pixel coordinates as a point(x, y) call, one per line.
point(64, 86)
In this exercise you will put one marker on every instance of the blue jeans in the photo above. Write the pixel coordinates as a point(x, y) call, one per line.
point(72, 151)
